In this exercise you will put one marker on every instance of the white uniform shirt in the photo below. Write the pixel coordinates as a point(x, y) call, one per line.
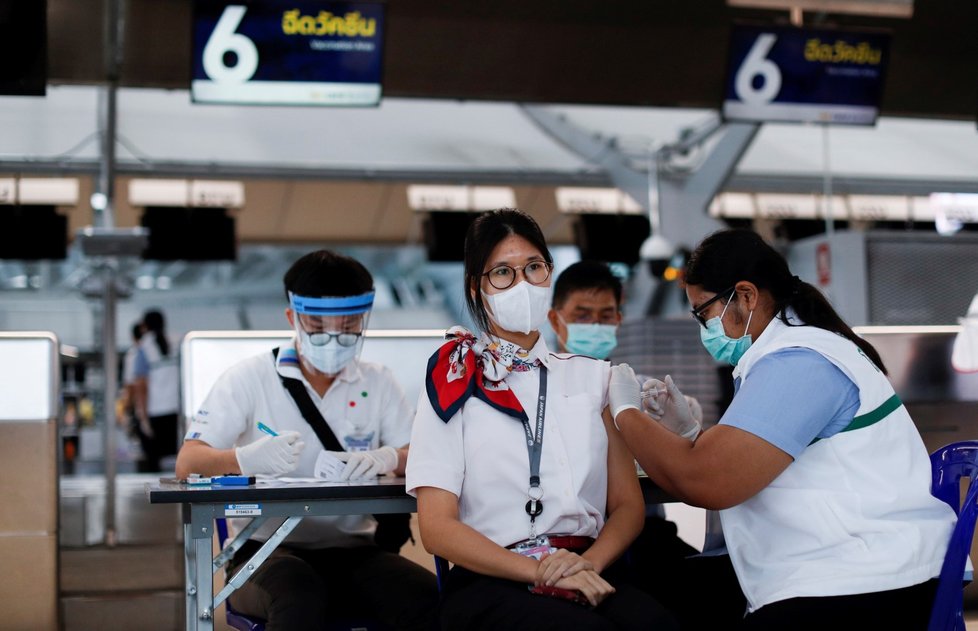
point(364, 407)
point(480, 455)
point(162, 376)
point(129, 364)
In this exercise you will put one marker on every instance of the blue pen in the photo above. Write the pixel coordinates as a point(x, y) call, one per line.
point(268, 430)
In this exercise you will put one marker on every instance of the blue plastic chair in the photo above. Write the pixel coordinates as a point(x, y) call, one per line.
point(948, 465)
point(244, 623)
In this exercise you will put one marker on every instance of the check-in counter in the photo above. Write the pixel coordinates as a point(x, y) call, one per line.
point(29, 386)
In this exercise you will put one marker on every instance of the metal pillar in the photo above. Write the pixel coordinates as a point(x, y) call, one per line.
point(103, 205)
point(110, 369)
point(682, 201)
point(677, 204)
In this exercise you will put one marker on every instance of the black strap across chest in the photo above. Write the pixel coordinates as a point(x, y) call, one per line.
point(309, 411)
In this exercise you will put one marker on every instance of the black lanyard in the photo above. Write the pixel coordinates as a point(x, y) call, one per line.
point(534, 448)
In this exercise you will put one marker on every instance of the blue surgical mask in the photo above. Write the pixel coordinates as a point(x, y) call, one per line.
point(593, 340)
point(722, 347)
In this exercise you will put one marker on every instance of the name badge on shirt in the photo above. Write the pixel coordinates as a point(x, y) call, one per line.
point(359, 442)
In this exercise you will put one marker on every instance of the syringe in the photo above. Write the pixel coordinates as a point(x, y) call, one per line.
point(653, 392)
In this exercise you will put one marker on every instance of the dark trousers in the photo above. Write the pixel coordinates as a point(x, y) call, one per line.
point(907, 608)
point(299, 589)
point(657, 558)
point(473, 601)
point(163, 442)
point(714, 600)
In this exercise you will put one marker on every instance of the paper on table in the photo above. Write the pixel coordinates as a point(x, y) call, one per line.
point(292, 480)
point(329, 467)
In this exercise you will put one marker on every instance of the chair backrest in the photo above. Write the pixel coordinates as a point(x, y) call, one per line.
point(948, 465)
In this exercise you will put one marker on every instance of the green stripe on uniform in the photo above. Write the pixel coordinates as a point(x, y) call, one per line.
point(870, 418)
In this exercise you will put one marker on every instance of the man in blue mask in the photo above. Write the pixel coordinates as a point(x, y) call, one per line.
point(586, 309)
point(585, 316)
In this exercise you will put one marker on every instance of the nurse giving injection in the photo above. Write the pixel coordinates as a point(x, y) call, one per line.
point(686, 420)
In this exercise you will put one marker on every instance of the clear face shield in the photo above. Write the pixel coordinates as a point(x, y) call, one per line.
point(330, 330)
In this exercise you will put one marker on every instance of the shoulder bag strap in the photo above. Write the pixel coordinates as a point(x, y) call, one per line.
point(309, 410)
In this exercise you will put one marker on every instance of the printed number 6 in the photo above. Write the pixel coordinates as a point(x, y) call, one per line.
point(224, 40)
point(756, 64)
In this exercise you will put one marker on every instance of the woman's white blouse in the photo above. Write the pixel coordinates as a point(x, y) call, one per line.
point(480, 455)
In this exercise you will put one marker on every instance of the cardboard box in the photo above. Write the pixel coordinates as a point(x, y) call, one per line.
point(29, 583)
point(28, 477)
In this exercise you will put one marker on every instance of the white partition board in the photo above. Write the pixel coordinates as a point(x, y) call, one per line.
point(29, 379)
point(205, 355)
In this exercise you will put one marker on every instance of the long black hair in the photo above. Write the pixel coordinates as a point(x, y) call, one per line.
point(484, 234)
point(153, 320)
point(726, 257)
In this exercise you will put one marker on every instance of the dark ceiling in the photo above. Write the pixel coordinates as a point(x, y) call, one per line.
point(640, 52)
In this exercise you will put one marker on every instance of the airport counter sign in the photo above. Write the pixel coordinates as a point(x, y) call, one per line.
point(306, 52)
point(805, 75)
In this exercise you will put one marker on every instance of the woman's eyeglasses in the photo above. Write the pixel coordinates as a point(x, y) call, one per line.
point(698, 311)
point(504, 276)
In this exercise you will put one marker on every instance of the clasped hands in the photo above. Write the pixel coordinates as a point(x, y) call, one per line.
point(569, 570)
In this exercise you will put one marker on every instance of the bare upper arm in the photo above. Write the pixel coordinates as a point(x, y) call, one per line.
point(623, 484)
point(730, 465)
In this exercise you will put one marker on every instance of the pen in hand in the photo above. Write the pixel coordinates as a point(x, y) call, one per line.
point(268, 430)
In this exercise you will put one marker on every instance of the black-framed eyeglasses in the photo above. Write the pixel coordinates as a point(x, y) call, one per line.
point(504, 276)
point(343, 338)
point(698, 311)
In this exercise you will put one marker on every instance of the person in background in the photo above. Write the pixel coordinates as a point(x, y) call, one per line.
point(312, 408)
point(585, 315)
point(586, 309)
point(156, 390)
point(820, 476)
point(141, 431)
point(533, 520)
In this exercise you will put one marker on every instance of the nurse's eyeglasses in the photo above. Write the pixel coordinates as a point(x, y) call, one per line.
point(698, 311)
point(504, 276)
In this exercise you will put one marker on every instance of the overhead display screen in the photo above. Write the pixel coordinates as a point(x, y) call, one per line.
point(23, 47)
point(805, 75)
point(268, 52)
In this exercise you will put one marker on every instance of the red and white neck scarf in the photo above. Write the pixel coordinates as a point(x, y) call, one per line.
point(467, 366)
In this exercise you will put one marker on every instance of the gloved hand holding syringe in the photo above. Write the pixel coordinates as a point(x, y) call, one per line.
point(679, 413)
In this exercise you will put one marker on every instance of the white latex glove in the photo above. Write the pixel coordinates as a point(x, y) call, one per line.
point(367, 464)
point(678, 413)
point(623, 392)
point(271, 455)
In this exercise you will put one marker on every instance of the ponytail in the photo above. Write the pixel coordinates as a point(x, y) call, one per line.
point(814, 310)
point(163, 343)
point(155, 324)
point(729, 256)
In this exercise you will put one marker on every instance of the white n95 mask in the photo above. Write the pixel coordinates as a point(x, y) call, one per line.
point(521, 309)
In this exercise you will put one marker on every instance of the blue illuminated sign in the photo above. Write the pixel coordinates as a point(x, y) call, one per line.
point(303, 52)
point(805, 75)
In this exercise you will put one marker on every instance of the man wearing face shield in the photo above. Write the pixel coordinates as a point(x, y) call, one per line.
point(312, 408)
